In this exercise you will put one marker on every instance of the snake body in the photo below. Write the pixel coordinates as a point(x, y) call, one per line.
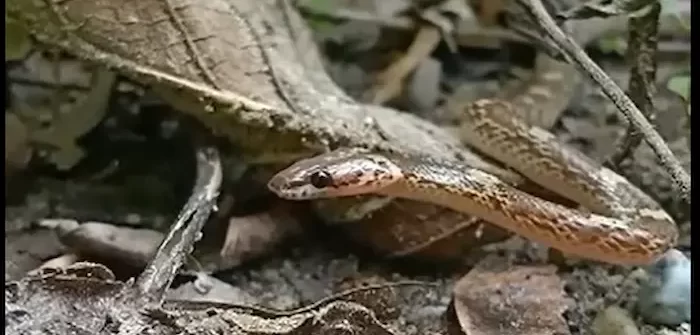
point(620, 224)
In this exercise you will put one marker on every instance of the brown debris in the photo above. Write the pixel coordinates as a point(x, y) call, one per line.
point(442, 234)
point(251, 236)
point(523, 300)
point(390, 81)
point(48, 300)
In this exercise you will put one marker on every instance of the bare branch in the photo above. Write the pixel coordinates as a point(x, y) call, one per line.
point(160, 272)
point(635, 117)
point(642, 51)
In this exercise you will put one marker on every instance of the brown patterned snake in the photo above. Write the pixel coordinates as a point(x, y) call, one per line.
point(622, 225)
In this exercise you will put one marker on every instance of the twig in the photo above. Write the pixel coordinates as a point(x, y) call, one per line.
point(390, 80)
point(338, 296)
point(642, 51)
point(635, 118)
point(160, 272)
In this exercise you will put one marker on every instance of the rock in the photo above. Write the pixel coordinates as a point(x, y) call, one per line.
point(665, 297)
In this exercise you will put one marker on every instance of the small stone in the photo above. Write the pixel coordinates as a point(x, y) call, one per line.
point(614, 321)
point(665, 297)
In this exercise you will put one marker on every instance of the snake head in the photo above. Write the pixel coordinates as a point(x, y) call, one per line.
point(343, 172)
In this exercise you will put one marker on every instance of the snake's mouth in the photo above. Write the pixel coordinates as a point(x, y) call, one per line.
point(296, 187)
point(302, 189)
point(286, 188)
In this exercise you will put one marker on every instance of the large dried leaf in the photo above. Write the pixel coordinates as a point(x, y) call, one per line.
point(48, 302)
point(86, 299)
point(245, 68)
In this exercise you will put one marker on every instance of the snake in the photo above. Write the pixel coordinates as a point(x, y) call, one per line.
point(616, 222)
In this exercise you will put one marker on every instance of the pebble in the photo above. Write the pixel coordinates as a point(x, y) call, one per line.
point(614, 321)
point(664, 298)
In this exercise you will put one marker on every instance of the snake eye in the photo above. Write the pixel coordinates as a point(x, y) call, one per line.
point(321, 179)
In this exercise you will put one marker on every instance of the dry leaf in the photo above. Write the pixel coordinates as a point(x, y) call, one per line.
point(237, 69)
point(60, 262)
point(442, 235)
point(251, 236)
point(522, 300)
point(86, 299)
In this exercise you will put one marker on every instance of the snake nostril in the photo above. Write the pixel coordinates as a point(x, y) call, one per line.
point(274, 183)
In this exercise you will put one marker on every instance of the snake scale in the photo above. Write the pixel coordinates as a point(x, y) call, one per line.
point(618, 223)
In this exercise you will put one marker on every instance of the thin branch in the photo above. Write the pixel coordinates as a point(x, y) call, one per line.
point(390, 80)
point(642, 52)
point(160, 272)
point(573, 51)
